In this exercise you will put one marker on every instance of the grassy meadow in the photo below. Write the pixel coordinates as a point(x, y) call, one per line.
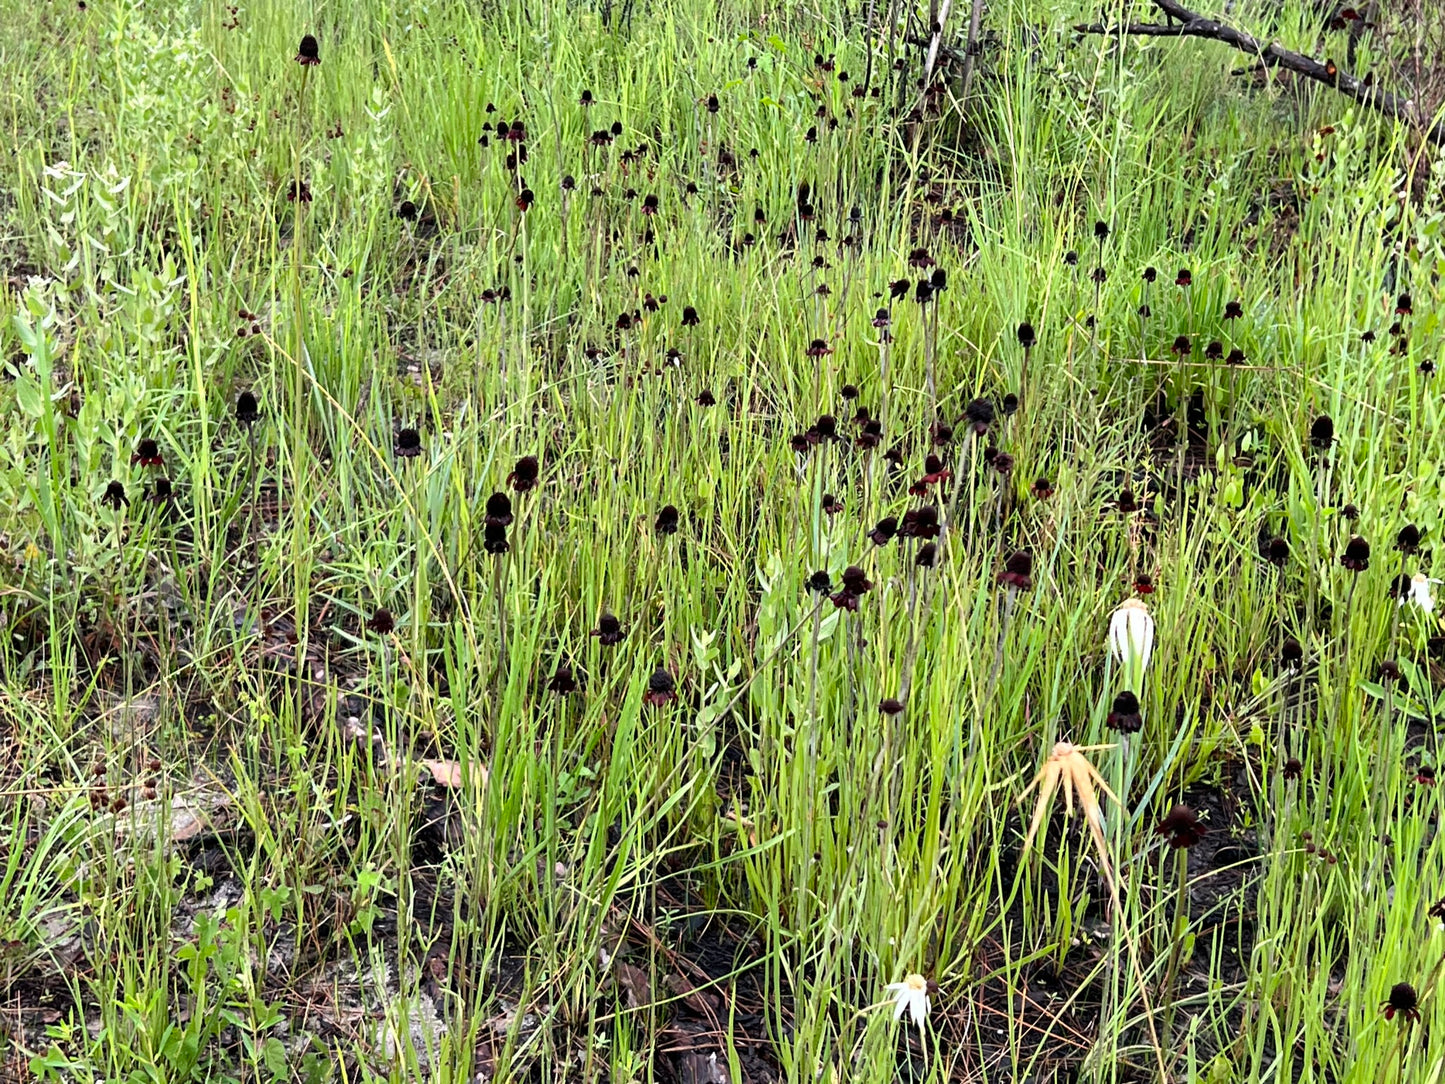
point(549, 542)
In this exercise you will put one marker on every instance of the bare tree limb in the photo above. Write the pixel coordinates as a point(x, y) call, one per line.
point(1271, 54)
point(975, 24)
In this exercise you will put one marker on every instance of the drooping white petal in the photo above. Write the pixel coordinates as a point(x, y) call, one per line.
point(1131, 640)
point(1420, 593)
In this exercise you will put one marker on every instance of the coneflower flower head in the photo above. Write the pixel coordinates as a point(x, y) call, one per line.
point(1181, 826)
point(1356, 557)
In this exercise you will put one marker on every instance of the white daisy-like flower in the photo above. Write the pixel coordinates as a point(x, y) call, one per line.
point(1420, 593)
point(911, 996)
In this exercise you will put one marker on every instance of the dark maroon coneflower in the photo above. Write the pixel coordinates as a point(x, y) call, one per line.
point(499, 510)
point(609, 630)
point(661, 688)
point(1350, 512)
point(1009, 405)
point(1002, 463)
point(1181, 826)
point(381, 622)
point(1404, 305)
point(1233, 310)
point(919, 258)
point(705, 398)
point(114, 496)
point(1184, 277)
point(1235, 357)
point(523, 476)
point(1071, 258)
point(980, 415)
point(1027, 338)
point(408, 444)
point(562, 682)
point(667, 520)
point(1126, 502)
point(1181, 346)
point(1322, 432)
point(1144, 584)
point(890, 705)
point(494, 539)
point(820, 583)
point(689, 316)
point(1276, 551)
point(1388, 671)
point(898, 290)
point(1150, 274)
point(927, 555)
point(1292, 769)
point(147, 454)
point(1125, 715)
point(1425, 776)
point(884, 531)
point(1408, 540)
point(831, 505)
point(1356, 557)
point(308, 53)
point(247, 412)
point(1402, 1002)
point(818, 348)
point(1018, 571)
point(920, 523)
point(849, 392)
point(406, 211)
point(1214, 351)
point(1042, 489)
point(1291, 653)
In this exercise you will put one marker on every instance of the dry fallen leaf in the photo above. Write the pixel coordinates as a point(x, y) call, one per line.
point(448, 773)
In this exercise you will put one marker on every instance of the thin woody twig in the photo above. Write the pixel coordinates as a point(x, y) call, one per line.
point(1271, 55)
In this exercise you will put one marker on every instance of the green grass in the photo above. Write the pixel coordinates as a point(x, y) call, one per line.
point(771, 838)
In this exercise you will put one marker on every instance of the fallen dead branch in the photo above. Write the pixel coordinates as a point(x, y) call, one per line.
point(1271, 55)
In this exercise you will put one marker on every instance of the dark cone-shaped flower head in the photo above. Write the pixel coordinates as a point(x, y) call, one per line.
point(524, 475)
point(667, 519)
point(1144, 584)
point(1181, 346)
point(1276, 551)
point(499, 510)
point(494, 539)
point(820, 583)
point(1018, 571)
point(1184, 277)
point(114, 496)
point(1402, 1002)
point(1042, 489)
point(1292, 769)
point(920, 522)
point(1125, 716)
point(147, 454)
point(927, 555)
point(1356, 557)
point(381, 622)
point(308, 53)
point(1233, 310)
point(1150, 274)
point(1291, 653)
point(1408, 540)
point(890, 706)
point(1404, 305)
point(883, 533)
point(1322, 432)
point(661, 688)
point(408, 444)
point(1101, 230)
point(562, 682)
point(247, 412)
point(609, 630)
point(1027, 338)
point(980, 415)
point(1181, 826)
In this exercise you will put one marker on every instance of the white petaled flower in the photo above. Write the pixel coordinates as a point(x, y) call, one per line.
point(1420, 593)
point(1131, 640)
point(911, 996)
